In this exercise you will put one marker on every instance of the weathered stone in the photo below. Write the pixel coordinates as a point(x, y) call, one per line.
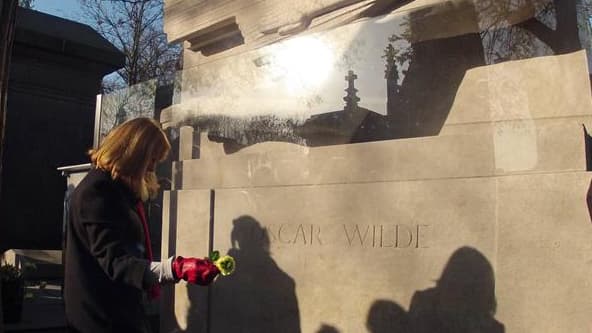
point(340, 248)
point(543, 252)
point(186, 232)
point(471, 216)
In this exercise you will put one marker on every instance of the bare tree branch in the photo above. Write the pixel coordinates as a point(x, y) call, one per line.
point(135, 27)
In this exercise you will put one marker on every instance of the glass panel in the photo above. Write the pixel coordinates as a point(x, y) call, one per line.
point(127, 103)
point(395, 76)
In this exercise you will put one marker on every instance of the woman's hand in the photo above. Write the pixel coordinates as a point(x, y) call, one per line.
point(195, 270)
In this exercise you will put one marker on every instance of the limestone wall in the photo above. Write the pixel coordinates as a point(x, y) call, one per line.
point(321, 234)
point(473, 218)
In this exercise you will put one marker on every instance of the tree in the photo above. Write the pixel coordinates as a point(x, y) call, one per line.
point(29, 4)
point(120, 105)
point(552, 28)
point(136, 28)
point(563, 37)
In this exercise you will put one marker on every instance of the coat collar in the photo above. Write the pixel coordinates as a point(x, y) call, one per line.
point(122, 188)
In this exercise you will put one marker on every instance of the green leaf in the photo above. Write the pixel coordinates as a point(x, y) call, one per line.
point(215, 255)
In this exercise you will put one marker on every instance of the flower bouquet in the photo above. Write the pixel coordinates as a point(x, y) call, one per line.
point(225, 264)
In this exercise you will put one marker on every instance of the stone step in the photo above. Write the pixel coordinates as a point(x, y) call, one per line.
point(475, 150)
point(537, 88)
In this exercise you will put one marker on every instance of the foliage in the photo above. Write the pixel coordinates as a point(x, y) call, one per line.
point(29, 4)
point(552, 29)
point(248, 131)
point(10, 272)
point(136, 28)
point(398, 53)
point(127, 103)
point(502, 40)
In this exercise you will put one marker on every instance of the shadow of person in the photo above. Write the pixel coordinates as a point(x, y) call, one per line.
point(386, 316)
point(327, 329)
point(258, 296)
point(197, 311)
point(462, 301)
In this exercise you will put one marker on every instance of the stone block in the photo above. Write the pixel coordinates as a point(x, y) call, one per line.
point(476, 215)
point(539, 145)
point(185, 232)
point(270, 164)
point(378, 232)
point(545, 87)
point(484, 149)
point(544, 253)
point(344, 254)
point(313, 255)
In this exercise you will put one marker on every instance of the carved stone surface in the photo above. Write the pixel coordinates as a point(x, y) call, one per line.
point(329, 252)
point(342, 247)
point(471, 218)
point(185, 232)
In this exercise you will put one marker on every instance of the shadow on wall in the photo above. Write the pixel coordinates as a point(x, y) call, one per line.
point(327, 329)
point(462, 301)
point(386, 316)
point(258, 297)
point(259, 291)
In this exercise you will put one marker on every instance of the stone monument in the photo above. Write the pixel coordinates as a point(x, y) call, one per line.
point(466, 212)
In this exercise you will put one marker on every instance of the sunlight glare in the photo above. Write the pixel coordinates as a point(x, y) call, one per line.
point(303, 63)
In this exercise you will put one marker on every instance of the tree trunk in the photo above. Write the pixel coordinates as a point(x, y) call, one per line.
point(565, 37)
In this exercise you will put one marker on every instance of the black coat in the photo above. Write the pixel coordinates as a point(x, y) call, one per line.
point(105, 265)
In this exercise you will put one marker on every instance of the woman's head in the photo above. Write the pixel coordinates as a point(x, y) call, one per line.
point(130, 151)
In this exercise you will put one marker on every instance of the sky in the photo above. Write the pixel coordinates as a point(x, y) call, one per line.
point(68, 9)
point(296, 81)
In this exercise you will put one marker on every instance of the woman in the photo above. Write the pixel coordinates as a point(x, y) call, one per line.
point(108, 259)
